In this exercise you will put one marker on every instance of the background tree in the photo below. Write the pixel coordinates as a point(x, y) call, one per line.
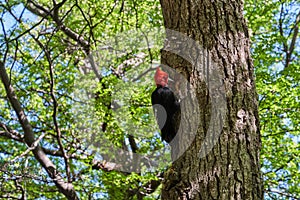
point(44, 47)
point(275, 50)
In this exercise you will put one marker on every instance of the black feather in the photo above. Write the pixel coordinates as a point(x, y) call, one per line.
point(166, 110)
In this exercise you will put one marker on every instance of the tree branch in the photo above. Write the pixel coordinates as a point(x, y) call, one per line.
point(9, 133)
point(43, 12)
point(32, 147)
point(133, 144)
point(64, 187)
point(96, 164)
point(293, 42)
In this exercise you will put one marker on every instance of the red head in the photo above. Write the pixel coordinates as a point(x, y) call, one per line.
point(161, 77)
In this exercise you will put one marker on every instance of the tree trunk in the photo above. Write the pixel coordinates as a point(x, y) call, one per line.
point(208, 43)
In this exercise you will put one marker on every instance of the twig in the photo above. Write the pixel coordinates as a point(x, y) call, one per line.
point(29, 149)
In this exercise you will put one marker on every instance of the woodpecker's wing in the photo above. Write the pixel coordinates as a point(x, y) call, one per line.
point(158, 104)
point(165, 105)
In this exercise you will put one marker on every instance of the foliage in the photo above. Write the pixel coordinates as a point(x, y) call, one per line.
point(275, 38)
point(45, 47)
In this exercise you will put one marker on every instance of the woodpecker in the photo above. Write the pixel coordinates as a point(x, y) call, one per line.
point(165, 106)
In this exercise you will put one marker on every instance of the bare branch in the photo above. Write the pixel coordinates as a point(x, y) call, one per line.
point(55, 107)
point(32, 147)
point(281, 19)
point(147, 188)
point(96, 164)
point(20, 187)
point(9, 133)
point(144, 73)
point(293, 42)
point(133, 144)
point(94, 67)
point(282, 193)
point(43, 12)
point(44, 16)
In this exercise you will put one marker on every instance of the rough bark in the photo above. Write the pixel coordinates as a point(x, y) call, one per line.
point(231, 169)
